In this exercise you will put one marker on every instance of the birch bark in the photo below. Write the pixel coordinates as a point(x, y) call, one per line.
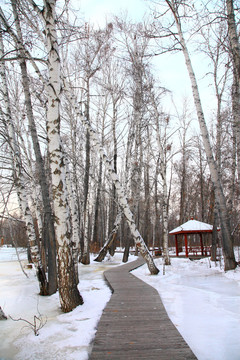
point(139, 242)
point(227, 243)
point(68, 291)
point(113, 206)
point(163, 172)
point(48, 223)
point(111, 238)
point(138, 101)
point(85, 258)
point(19, 179)
point(235, 52)
point(75, 243)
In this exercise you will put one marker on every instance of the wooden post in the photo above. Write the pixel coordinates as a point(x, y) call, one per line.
point(186, 245)
point(201, 244)
point(176, 245)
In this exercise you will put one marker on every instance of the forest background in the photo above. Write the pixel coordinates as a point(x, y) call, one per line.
point(70, 89)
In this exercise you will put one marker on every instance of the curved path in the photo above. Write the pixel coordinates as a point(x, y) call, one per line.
point(134, 323)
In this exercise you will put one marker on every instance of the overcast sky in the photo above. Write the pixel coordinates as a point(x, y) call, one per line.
point(98, 10)
point(171, 67)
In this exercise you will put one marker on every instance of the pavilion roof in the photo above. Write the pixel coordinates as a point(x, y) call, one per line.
point(191, 227)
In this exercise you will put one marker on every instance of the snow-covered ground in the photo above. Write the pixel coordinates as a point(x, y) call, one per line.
point(203, 303)
point(64, 336)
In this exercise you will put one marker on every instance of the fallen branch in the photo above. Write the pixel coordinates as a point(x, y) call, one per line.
point(37, 324)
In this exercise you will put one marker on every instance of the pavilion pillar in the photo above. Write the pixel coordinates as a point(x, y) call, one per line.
point(186, 245)
point(176, 245)
point(201, 243)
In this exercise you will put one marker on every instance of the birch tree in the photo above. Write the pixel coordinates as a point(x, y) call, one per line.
point(229, 258)
point(113, 83)
point(48, 224)
point(106, 247)
point(19, 178)
point(137, 47)
point(68, 291)
point(90, 60)
point(139, 242)
point(161, 124)
point(235, 54)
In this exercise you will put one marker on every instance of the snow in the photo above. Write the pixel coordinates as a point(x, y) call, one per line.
point(64, 336)
point(192, 225)
point(202, 301)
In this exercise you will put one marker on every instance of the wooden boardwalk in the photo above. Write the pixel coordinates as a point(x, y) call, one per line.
point(134, 324)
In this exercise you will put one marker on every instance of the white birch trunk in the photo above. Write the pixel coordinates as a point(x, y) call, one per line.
point(68, 291)
point(75, 219)
point(235, 52)
point(19, 180)
point(122, 200)
point(163, 172)
point(85, 259)
point(36, 198)
point(48, 223)
point(111, 238)
point(227, 243)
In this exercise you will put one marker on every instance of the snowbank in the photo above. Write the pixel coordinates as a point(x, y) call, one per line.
point(201, 299)
point(203, 302)
point(64, 336)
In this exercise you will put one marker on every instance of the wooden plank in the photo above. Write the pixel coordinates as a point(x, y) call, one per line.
point(135, 324)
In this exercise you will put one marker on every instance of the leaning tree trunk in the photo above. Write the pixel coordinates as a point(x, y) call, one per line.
point(68, 291)
point(122, 200)
point(227, 242)
point(48, 222)
point(111, 238)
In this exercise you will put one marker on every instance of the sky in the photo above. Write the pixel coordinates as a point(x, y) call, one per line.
point(97, 10)
point(170, 68)
point(200, 298)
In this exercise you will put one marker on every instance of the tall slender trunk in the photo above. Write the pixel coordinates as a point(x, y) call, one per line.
point(113, 212)
point(227, 242)
point(48, 222)
point(147, 207)
point(235, 52)
point(201, 180)
point(183, 181)
point(163, 172)
point(127, 182)
point(74, 217)
point(156, 238)
point(19, 179)
point(68, 291)
point(96, 230)
point(122, 200)
point(85, 258)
